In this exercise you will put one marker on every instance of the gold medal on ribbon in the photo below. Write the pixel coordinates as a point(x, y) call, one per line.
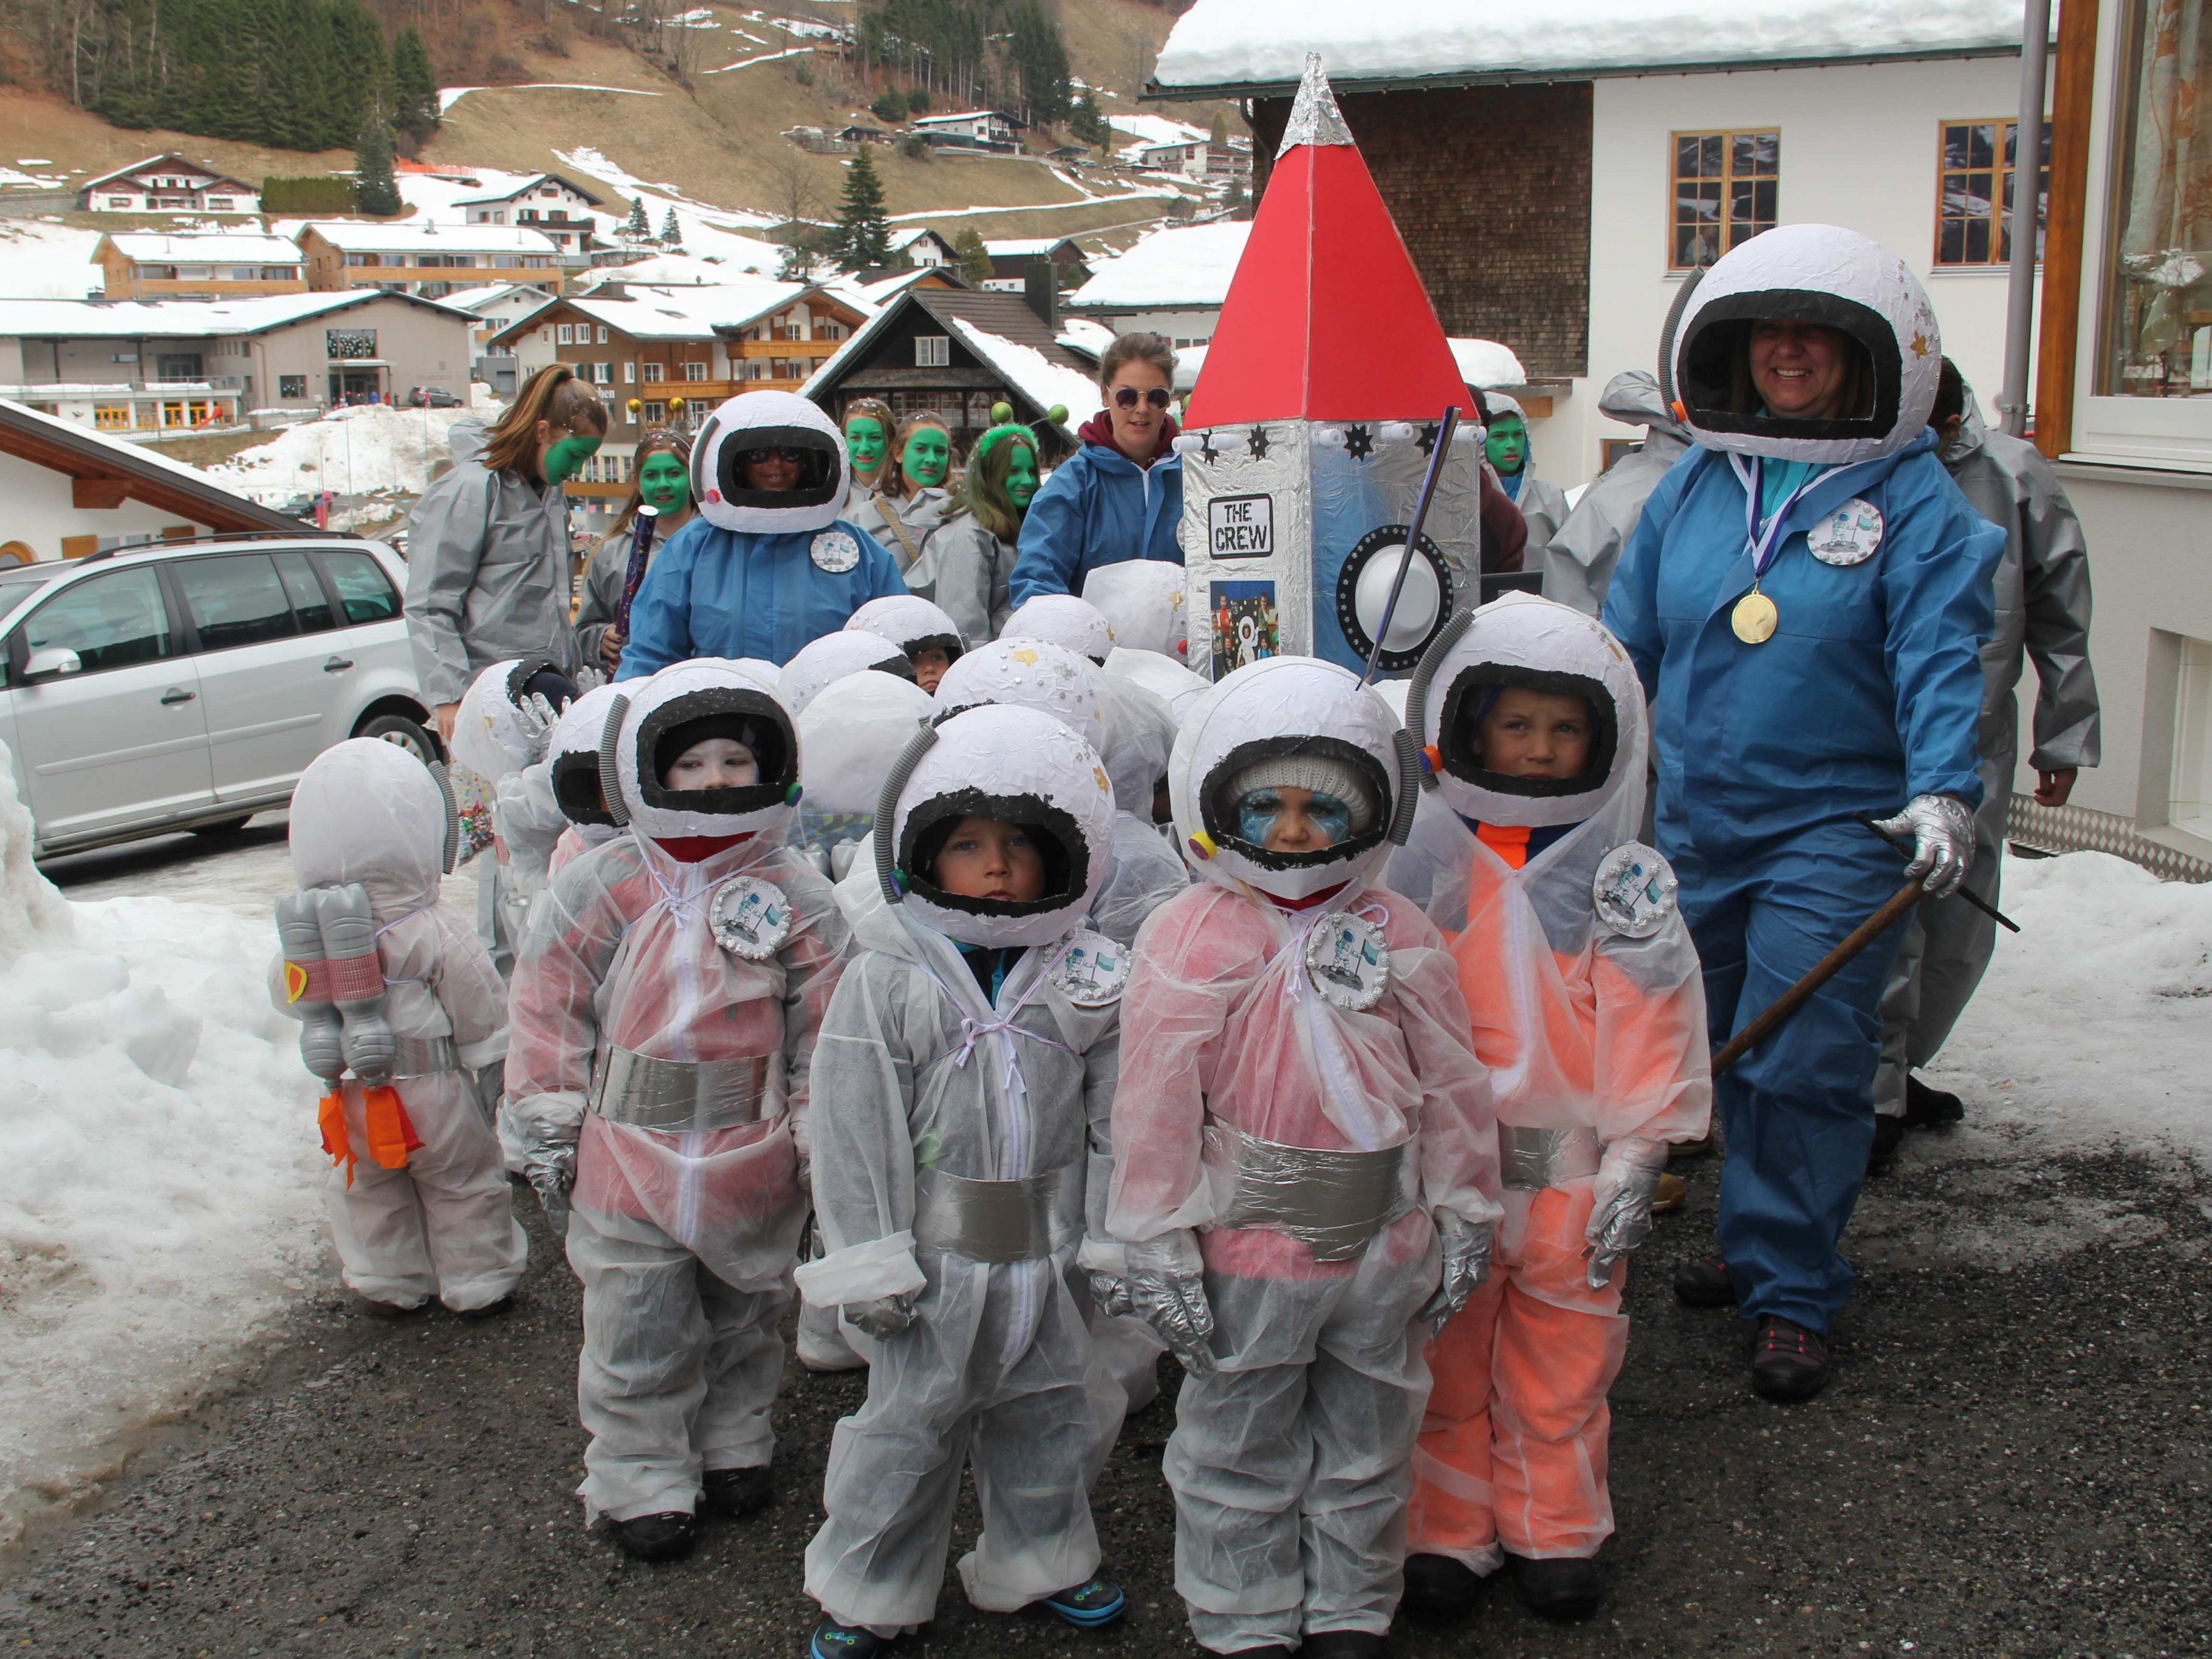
point(1754, 618)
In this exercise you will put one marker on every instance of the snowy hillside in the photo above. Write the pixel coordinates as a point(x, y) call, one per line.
point(364, 450)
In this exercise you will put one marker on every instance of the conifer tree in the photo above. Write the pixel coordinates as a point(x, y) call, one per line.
point(975, 258)
point(671, 234)
point(374, 189)
point(639, 229)
point(414, 88)
point(862, 236)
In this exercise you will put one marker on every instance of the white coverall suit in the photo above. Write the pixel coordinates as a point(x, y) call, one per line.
point(1304, 1151)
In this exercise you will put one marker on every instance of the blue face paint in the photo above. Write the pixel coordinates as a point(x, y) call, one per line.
point(1257, 812)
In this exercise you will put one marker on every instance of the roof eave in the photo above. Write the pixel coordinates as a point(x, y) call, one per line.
point(62, 451)
point(1154, 93)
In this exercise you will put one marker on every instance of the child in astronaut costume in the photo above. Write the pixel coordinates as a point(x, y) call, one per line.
point(500, 732)
point(664, 1012)
point(929, 638)
point(1589, 1010)
point(1065, 620)
point(399, 1007)
point(821, 663)
point(1140, 734)
point(1305, 1160)
point(851, 735)
point(572, 776)
point(963, 1081)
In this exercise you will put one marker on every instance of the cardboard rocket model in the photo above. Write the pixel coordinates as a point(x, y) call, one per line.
point(1311, 426)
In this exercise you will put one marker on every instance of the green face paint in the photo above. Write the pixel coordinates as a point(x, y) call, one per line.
point(1507, 444)
point(664, 484)
point(562, 459)
point(928, 458)
point(867, 442)
point(1021, 476)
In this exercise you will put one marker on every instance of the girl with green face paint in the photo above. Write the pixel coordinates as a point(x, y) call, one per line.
point(1507, 445)
point(869, 424)
point(660, 478)
point(925, 455)
point(967, 564)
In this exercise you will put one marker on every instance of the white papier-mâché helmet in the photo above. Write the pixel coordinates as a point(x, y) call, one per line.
point(1288, 708)
point(1019, 765)
point(654, 722)
point(572, 757)
point(769, 420)
point(1142, 600)
point(1028, 674)
point(1065, 620)
point(370, 812)
point(853, 734)
point(823, 662)
point(1816, 274)
point(486, 737)
point(910, 623)
point(1537, 645)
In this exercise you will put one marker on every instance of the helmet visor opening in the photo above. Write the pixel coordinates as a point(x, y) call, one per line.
point(576, 789)
point(1475, 692)
point(1051, 831)
point(819, 472)
point(1220, 799)
point(751, 718)
point(1716, 386)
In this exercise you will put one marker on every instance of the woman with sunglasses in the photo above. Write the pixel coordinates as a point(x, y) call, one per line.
point(768, 565)
point(1120, 496)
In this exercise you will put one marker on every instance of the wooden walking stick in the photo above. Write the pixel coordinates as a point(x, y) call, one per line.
point(1777, 1012)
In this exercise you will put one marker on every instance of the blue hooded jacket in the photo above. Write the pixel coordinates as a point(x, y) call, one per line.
point(1869, 693)
point(716, 592)
point(1099, 507)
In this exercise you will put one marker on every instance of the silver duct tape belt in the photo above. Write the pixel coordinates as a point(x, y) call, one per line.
point(1334, 1201)
point(425, 1057)
point(678, 1095)
point(1532, 1160)
point(999, 1221)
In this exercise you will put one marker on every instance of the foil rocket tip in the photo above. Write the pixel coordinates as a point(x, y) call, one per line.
point(1315, 117)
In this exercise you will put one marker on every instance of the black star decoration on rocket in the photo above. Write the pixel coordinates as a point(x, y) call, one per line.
point(1206, 449)
point(1259, 443)
point(1358, 443)
point(1428, 438)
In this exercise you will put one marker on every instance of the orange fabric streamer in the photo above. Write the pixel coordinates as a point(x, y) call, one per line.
point(330, 1116)
point(390, 1136)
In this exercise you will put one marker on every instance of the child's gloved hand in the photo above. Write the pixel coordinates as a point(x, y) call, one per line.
point(551, 1168)
point(1467, 1264)
point(535, 717)
point(883, 1315)
point(1167, 1291)
point(1620, 1218)
point(1109, 1295)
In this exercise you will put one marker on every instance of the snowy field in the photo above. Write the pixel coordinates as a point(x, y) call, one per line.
point(44, 261)
point(356, 451)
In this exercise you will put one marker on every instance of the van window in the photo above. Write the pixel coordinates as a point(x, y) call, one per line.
point(111, 621)
point(305, 589)
point(234, 600)
point(364, 590)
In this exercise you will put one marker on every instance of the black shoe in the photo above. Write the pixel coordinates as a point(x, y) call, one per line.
point(1788, 1361)
point(666, 1537)
point(1438, 1587)
point(733, 1494)
point(832, 1640)
point(490, 1310)
point(1930, 1108)
point(1689, 1149)
point(1704, 1282)
point(1090, 1606)
point(1565, 1589)
point(1344, 1645)
point(1888, 1132)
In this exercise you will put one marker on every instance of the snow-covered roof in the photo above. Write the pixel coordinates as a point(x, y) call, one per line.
point(209, 247)
point(1485, 363)
point(179, 320)
point(1034, 247)
point(358, 236)
point(1187, 265)
point(672, 269)
point(1043, 381)
point(1081, 334)
point(478, 299)
point(676, 312)
point(143, 459)
point(1222, 44)
point(172, 161)
point(965, 115)
point(529, 184)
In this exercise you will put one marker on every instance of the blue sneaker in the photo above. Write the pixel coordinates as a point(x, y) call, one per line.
point(1089, 1606)
point(835, 1641)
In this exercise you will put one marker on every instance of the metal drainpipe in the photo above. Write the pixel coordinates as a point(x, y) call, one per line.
point(2027, 168)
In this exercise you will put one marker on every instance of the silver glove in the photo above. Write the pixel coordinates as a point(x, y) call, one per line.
point(535, 717)
point(884, 1316)
point(1167, 1291)
point(1467, 1264)
point(1620, 1217)
point(1942, 832)
point(551, 1169)
point(1109, 1295)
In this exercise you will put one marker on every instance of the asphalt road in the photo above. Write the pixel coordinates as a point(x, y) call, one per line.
point(2014, 1460)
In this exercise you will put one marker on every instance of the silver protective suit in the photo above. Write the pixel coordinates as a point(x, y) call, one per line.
point(1542, 503)
point(967, 571)
point(905, 524)
point(962, 1155)
point(369, 813)
point(2042, 613)
point(1579, 558)
point(1147, 874)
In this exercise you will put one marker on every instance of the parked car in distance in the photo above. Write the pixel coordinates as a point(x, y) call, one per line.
point(185, 685)
point(432, 396)
point(299, 507)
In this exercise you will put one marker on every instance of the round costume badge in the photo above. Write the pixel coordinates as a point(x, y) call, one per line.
point(1347, 961)
point(750, 918)
point(1754, 618)
point(1091, 971)
point(835, 551)
point(1633, 891)
point(1848, 536)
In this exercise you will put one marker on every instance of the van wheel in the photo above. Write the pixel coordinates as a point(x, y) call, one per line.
point(408, 734)
point(221, 827)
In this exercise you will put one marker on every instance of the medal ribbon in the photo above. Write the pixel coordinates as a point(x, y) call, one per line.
point(1763, 541)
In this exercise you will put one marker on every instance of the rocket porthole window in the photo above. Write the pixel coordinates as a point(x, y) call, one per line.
point(1363, 590)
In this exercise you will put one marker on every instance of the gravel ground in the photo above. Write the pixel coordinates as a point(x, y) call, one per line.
point(2014, 1460)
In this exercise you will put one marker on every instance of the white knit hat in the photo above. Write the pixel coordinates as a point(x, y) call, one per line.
point(1319, 775)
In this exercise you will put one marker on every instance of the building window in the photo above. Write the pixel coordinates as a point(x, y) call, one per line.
point(602, 334)
point(566, 333)
point(603, 373)
point(1974, 207)
point(933, 351)
point(654, 372)
point(694, 371)
point(350, 343)
point(291, 385)
point(220, 205)
point(2158, 327)
point(1726, 185)
point(656, 414)
point(118, 201)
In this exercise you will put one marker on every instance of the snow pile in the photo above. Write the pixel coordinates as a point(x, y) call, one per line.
point(10, 178)
point(1185, 265)
point(1242, 42)
point(158, 1163)
point(2092, 1023)
point(356, 451)
point(765, 57)
point(1485, 363)
point(44, 261)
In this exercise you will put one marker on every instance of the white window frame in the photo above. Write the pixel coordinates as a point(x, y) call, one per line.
point(565, 333)
point(602, 334)
point(932, 351)
point(629, 370)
